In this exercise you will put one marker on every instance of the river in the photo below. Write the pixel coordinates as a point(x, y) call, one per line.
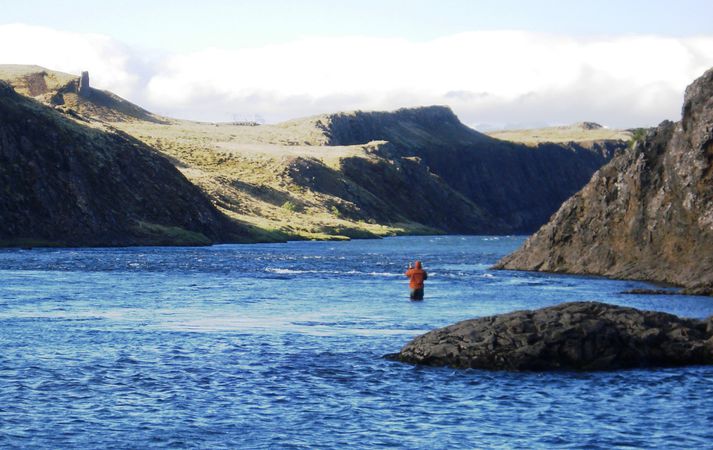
point(281, 345)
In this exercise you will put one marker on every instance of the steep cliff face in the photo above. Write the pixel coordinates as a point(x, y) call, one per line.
point(63, 183)
point(648, 214)
point(516, 186)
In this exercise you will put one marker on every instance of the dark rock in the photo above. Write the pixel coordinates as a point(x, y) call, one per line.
point(570, 336)
point(699, 290)
point(647, 215)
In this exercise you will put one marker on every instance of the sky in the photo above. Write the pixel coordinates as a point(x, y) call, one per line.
point(497, 64)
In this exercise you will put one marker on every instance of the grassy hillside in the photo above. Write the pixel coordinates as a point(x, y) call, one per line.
point(34, 81)
point(259, 175)
point(357, 174)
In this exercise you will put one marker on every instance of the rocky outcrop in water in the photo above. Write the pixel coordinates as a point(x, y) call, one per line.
point(578, 336)
point(64, 183)
point(648, 214)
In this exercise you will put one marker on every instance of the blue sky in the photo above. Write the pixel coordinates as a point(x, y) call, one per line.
point(496, 63)
point(181, 25)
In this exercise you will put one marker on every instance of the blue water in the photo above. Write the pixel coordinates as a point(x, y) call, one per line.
point(280, 346)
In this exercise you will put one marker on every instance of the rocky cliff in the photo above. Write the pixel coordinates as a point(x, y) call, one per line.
point(516, 187)
point(648, 214)
point(417, 170)
point(65, 183)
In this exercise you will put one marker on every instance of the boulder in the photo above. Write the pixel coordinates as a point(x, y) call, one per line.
point(569, 336)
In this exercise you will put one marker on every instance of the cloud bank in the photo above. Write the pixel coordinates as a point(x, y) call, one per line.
point(491, 79)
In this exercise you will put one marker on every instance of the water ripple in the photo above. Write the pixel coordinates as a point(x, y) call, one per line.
point(280, 346)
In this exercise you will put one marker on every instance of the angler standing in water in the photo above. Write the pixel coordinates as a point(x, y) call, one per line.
point(417, 276)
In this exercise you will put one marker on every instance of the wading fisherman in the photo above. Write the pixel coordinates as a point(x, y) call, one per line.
point(417, 276)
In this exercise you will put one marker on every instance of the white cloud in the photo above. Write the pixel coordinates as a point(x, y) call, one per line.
point(488, 77)
point(108, 61)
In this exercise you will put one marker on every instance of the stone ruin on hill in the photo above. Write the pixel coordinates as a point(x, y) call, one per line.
point(84, 89)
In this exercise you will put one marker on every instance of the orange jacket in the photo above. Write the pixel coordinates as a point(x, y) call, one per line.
point(417, 276)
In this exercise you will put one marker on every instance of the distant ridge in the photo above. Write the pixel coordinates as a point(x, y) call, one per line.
point(581, 132)
point(400, 127)
point(588, 125)
point(350, 174)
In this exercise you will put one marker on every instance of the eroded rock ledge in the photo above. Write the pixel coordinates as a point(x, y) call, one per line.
point(569, 336)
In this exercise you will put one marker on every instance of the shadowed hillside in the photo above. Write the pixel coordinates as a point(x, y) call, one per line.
point(517, 187)
point(64, 183)
point(408, 171)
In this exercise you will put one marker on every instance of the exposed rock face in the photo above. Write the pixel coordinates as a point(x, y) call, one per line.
point(516, 187)
point(579, 336)
point(84, 88)
point(63, 183)
point(648, 214)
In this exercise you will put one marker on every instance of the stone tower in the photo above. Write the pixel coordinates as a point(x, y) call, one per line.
point(84, 84)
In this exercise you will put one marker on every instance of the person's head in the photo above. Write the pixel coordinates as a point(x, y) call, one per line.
point(418, 264)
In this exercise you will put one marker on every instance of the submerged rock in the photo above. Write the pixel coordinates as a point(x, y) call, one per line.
point(578, 336)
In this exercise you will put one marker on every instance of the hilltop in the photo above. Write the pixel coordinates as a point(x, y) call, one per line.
point(353, 174)
point(62, 91)
point(648, 214)
point(581, 132)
